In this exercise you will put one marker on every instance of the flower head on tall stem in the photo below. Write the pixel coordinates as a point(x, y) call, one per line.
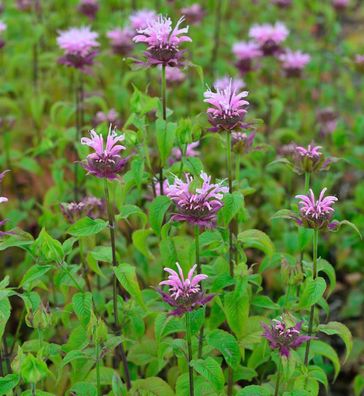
point(176, 154)
point(284, 338)
point(121, 40)
point(163, 42)
point(246, 52)
point(293, 62)
point(106, 161)
point(228, 108)
point(141, 18)
point(310, 159)
point(194, 14)
point(223, 82)
point(241, 142)
point(89, 206)
point(314, 213)
point(269, 37)
point(79, 46)
point(197, 200)
point(88, 8)
point(111, 118)
point(174, 75)
point(185, 294)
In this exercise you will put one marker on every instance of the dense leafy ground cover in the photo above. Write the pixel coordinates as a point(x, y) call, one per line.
point(274, 305)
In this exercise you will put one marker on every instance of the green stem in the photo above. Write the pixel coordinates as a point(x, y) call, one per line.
point(189, 353)
point(229, 171)
point(147, 157)
point(307, 181)
point(84, 266)
point(111, 217)
point(68, 272)
point(164, 113)
point(98, 382)
point(312, 312)
point(276, 390)
point(33, 389)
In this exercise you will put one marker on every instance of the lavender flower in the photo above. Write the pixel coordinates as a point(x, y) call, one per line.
point(194, 14)
point(310, 159)
point(227, 109)
point(340, 5)
point(293, 62)
point(121, 41)
point(327, 119)
point(245, 53)
point(111, 118)
point(184, 295)
point(222, 83)
point(88, 8)
point(142, 18)
point(197, 201)
point(269, 37)
point(105, 162)
point(174, 75)
point(89, 206)
point(242, 143)
point(314, 213)
point(284, 338)
point(176, 154)
point(162, 41)
point(79, 46)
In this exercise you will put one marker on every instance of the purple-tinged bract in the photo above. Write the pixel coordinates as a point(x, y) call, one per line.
point(284, 338)
point(106, 161)
point(293, 62)
point(88, 8)
point(314, 213)
point(310, 159)
point(163, 41)
point(197, 200)
point(184, 295)
point(79, 46)
point(228, 108)
point(269, 37)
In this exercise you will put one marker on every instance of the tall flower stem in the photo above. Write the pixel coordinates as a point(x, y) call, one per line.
point(312, 312)
point(189, 352)
point(215, 50)
point(278, 380)
point(98, 382)
point(164, 114)
point(77, 138)
point(33, 389)
point(111, 217)
point(84, 266)
point(231, 225)
point(307, 181)
point(197, 248)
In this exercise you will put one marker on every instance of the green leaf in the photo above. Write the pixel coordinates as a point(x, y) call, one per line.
point(326, 350)
point(19, 239)
point(157, 211)
point(166, 134)
point(126, 275)
point(313, 290)
point(227, 345)
point(236, 308)
point(359, 385)
point(33, 369)
point(319, 374)
point(139, 238)
point(258, 240)
point(151, 386)
point(131, 210)
point(233, 203)
point(351, 225)
point(84, 389)
point(255, 390)
point(284, 214)
point(264, 302)
point(73, 355)
point(86, 227)
point(48, 247)
point(35, 272)
point(165, 325)
point(277, 107)
point(342, 331)
point(82, 305)
point(8, 383)
point(210, 370)
point(325, 267)
point(5, 311)
point(118, 388)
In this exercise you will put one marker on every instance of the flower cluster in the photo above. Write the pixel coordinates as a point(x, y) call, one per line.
point(293, 62)
point(88, 8)
point(246, 53)
point(197, 200)
point(121, 40)
point(89, 206)
point(142, 18)
point(314, 213)
point(242, 142)
point(193, 14)
point(79, 46)
point(106, 161)
point(269, 37)
point(174, 75)
point(184, 295)
point(284, 338)
point(162, 41)
point(310, 159)
point(228, 108)
point(176, 154)
point(111, 118)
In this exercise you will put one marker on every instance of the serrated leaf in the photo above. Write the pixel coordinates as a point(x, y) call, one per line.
point(326, 350)
point(35, 272)
point(210, 370)
point(131, 210)
point(126, 275)
point(325, 267)
point(165, 325)
point(227, 345)
point(313, 290)
point(139, 238)
point(8, 383)
point(166, 134)
point(256, 239)
point(86, 227)
point(48, 247)
point(342, 331)
point(233, 203)
point(264, 302)
point(82, 305)
point(152, 386)
point(255, 390)
point(157, 211)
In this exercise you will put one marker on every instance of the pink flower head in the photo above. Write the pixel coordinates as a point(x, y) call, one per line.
point(184, 295)
point(2, 175)
point(310, 152)
point(269, 37)
point(162, 41)
point(121, 40)
point(194, 14)
point(190, 152)
point(242, 143)
point(142, 18)
point(175, 75)
point(316, 213)
point(3, 26)
point(245, 53)
point(111, 117)
point(89, 206)
point(79, 46)
point(197, 200)
point(88, 8)
point(227, 109)
point(284, 338)
point(106, 161)
point(310, 159)
point(222, 83)
point(340, 5)
point(293, 62)
point(327, 119)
